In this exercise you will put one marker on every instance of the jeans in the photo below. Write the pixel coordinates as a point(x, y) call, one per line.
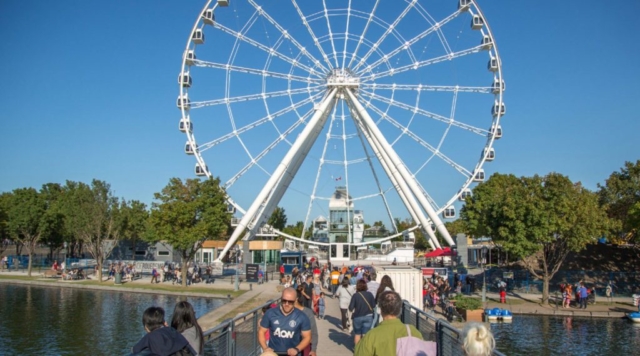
point(583, 302)
point(362, 324)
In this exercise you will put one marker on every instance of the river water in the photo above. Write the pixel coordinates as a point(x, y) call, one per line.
point(38, 320)
point(551, 335)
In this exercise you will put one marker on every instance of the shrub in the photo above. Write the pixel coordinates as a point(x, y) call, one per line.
point(467, 303)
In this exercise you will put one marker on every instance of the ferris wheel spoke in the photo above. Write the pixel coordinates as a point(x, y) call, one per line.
point(261, 72)
point(236, 99)
point(267, 49)
point(333, 46)
point(422, 112)
point(255, 160)
point(422, 142)
point(261, 121)
point(389, 30)
point(434, 28)
point(422, 87)
point(313, 36)
point(364, 33)
point(346, 35)
point(423, 63)
point(287, 35)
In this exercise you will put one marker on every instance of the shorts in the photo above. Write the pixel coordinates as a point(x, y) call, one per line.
point(362, 324)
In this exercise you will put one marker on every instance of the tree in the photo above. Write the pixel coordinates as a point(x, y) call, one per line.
point(620, 196)
point(94, 216)
point(135, 216)
point(53, 232)
point(26, 217)
point(537, 219)
point(456, 227)
point(278, 219)
point(187, 213)
point(4, 220)
point(294, 230)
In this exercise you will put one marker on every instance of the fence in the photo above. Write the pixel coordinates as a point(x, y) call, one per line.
point(448, 339)
point(239, 336)
point(624, 283)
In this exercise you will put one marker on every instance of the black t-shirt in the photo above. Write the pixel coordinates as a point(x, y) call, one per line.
point(308, 289)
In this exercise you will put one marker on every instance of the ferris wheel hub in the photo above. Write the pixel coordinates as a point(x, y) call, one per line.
point(342, 78)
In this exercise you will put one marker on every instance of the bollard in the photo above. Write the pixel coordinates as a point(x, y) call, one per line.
point(250, 286)
point(228, 298)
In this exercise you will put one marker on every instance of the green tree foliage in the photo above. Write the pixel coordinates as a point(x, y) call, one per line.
point(294, 230)
point(135, 218)
point(278, 219)
point(4, 220)
point(26, 219)
point(94, 216)
point(456, 227)
point(53, 232)
point(620, 196)
point(538, 219)
point(187, 213)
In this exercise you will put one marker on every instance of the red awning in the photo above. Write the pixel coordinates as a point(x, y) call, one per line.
point(439, 252)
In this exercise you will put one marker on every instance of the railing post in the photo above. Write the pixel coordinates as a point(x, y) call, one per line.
point(439, 338)
point(231, 339)
point(255, 332)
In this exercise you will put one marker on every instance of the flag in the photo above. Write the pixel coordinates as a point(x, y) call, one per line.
point(339, 178)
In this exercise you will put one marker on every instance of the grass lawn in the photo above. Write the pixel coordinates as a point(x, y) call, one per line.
point(245, 307)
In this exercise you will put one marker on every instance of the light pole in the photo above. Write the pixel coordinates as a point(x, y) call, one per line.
point(484, 275)
point(236, 286)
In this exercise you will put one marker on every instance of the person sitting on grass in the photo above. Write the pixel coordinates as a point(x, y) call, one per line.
point(161, 339)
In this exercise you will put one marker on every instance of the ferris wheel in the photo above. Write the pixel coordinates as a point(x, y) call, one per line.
point(397, 102)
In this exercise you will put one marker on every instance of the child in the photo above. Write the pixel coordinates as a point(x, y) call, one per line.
point(160, 339)
point(503, 296)
point(321, 306)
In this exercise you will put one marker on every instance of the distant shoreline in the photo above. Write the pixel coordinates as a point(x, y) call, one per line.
point(57, 284)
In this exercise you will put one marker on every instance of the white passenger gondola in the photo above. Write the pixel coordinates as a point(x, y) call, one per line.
point(183, 102)
point(198, 36)
point(498, 109)
point(479, 176)
point(184, 79)
point(188, 149)
point(463, 5)
point(208, 17)
point(190, 57)
point(186, 125)
point(200, 171)
point(497, 86)
point(223, 2)
point(477, 22)
point(489, 154)
point(464, 194)
point(231, 209)
point(449, 213)
point(496, 131)
point(486, 42)
point(493, 64)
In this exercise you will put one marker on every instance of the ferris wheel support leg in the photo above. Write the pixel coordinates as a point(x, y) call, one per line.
point(390, 168)
point(375, 146)
point(301, 141)
point(399, 166)
point(283, 184)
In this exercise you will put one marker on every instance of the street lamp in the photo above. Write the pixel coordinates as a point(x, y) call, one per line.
point(484, 274)
point(236, 286)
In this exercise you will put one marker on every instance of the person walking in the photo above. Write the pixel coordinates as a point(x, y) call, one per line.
point(583, 296)
point(362, 307)
point(282, 273)
point(335, 278)
point(311, 349)
point(260, 275)
point(308, 292)
point(345, 292)
point(382, 340)
point(154, 275)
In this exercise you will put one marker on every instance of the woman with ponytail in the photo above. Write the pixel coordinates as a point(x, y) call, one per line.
point(478, 340)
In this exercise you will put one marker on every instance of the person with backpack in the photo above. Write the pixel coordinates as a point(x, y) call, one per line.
point(392, 337)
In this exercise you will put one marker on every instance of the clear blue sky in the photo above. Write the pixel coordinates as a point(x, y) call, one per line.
point(90, 90)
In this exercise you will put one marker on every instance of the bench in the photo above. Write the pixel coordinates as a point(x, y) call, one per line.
point(51, 274)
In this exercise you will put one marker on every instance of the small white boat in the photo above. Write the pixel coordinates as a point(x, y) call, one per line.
point(635, 317)
point(497, 314)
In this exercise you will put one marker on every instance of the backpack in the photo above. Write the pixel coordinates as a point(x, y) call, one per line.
point(413, 346)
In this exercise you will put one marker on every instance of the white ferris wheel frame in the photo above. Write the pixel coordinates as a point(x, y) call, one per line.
point(343, 85)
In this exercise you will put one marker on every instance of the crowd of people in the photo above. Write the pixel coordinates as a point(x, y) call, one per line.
point(369, 311)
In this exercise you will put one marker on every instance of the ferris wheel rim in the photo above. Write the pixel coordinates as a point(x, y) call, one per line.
point(490, 137)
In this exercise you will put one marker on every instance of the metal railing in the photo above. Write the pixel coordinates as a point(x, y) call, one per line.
point(448, 339)
point(237, 336)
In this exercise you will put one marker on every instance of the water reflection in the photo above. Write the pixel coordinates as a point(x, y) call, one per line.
point(549, 335)
point(64, 321)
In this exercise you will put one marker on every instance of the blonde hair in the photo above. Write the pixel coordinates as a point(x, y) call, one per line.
point(478, 340)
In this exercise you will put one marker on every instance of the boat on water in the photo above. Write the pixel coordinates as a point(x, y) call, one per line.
point(497, 314)
point(635, 317)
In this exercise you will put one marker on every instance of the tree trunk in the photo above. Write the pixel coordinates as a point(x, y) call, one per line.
point(99, 271)
point(545, 290)
point(30, 258)
point(185, 269)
